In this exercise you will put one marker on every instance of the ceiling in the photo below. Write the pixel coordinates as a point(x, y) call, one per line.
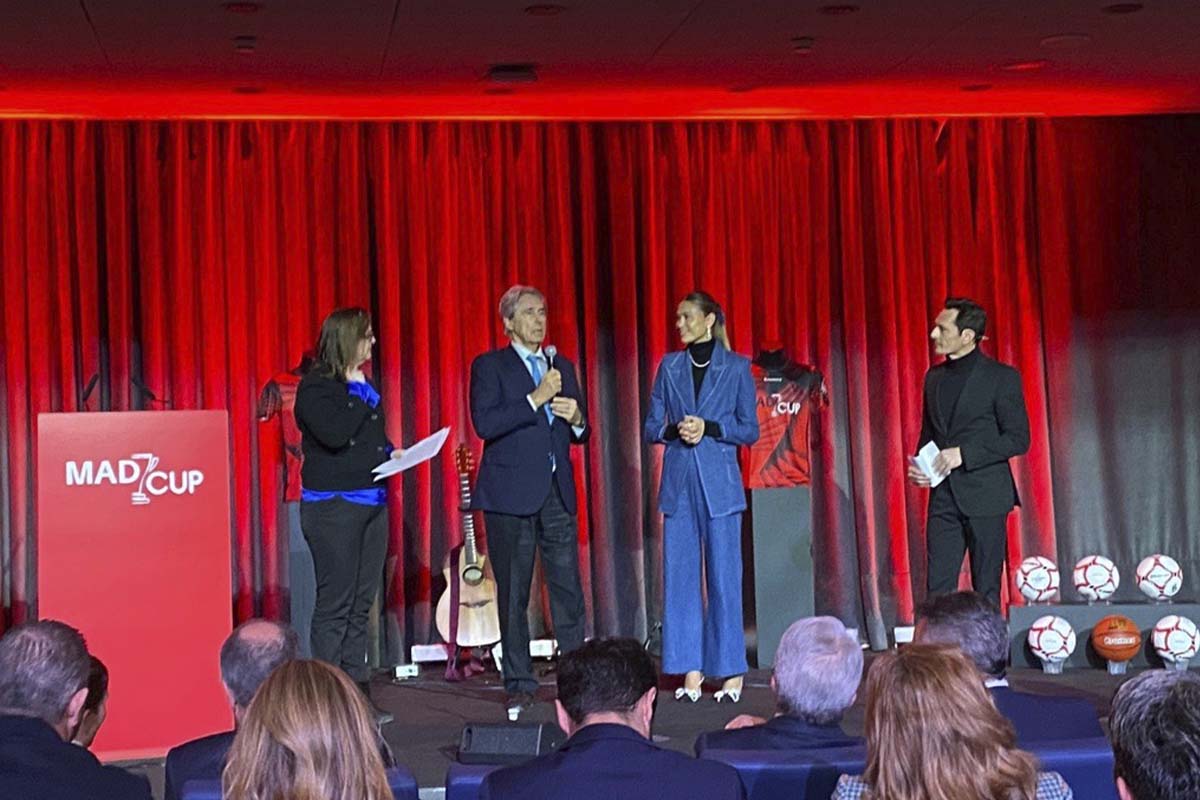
point(596, 59)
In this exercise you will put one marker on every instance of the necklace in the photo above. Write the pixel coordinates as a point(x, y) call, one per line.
point(698, 366)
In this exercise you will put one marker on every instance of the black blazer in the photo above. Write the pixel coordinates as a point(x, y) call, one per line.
point(613, 762)
point(36, 764)
point(343, 437)
point(989, 425)
point(783, 732)
point(514, 472)
point(199, 759)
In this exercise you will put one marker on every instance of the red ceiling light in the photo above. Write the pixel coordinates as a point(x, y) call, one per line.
point(1122, 8)
point(838, 10)
point(1030, 65)
point(242, 8)
point(544, 10)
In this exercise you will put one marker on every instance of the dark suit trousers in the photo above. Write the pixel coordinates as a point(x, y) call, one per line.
point(949, 533)
point(349, 546)
point(512, 541)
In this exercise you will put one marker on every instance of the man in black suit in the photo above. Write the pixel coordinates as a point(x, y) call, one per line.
point(818, 667)
point(606, 694)
point(248, 656)
point(43, 687)
point(974, 411)
point(527, 408)
point(974, 624)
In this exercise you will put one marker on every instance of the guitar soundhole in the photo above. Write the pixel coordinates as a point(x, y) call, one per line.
point(472, 575)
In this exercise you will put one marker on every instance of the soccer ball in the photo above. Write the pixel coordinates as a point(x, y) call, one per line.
point(1037, 579)
point(1175, 638)
point(1159, 577)
point(1051, 638)
point(1095, 577)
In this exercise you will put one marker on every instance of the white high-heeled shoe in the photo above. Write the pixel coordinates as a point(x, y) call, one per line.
point(690, 694)
point(733, 694)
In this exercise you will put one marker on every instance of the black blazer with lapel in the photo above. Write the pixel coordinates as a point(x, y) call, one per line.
point(515, 473)
point(783, 732)
point(36, 764)
point(989, 425)
point(199, 759)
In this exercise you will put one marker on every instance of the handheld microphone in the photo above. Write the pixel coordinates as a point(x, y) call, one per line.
point(87, 390)
point(551, 351)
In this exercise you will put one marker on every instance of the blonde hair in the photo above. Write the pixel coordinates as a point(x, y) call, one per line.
point(933, 732)
point(708, 305)
point(307, 735)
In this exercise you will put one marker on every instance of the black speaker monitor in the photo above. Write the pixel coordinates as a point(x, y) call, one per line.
point(507, 743)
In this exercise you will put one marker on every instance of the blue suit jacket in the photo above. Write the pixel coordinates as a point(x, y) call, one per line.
point(778, 733)
point(199, 759)
point(36, 764)
point(727, 398)
point(607, 762)
point(514, 473)
point(1038, 718)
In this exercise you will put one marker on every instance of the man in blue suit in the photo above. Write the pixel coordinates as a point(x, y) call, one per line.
point(527, 407)
point(606, 694)
point(970, 621)
point(248, 656)
point(43, 687)
point(818, 667)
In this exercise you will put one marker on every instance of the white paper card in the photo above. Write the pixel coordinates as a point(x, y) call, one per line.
point(924, 462)
point(419, 453)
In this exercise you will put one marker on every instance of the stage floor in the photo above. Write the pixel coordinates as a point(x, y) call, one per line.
point(430, 713)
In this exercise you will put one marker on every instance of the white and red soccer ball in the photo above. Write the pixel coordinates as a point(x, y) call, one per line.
point(1037, 579)
point(1159, 577)
point(1175, 638)
point(1051, 638)
point(1096, 577)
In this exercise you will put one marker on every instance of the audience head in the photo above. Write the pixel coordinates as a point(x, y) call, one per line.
point(1155, 729)
point(308, 733)
point(933, 731)
point(970, 622)
point(44, 669)
point(818, 667)
point(607, 680)
point(95, 708)
point(250, 654)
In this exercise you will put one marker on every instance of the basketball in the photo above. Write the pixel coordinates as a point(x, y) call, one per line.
point(1159, 577)
point(1175, 638)
point(1051, 638)
point(1095, 577)
point(1116, 638)
point(1037, 579)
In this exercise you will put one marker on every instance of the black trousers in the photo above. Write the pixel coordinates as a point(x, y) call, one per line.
point(949, 533)
point(349, 545)
point(512, 541)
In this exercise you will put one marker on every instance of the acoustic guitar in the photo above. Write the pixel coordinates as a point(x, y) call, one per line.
point(478, 614)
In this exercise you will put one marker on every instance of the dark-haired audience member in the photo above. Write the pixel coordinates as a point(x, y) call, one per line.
point(252, 652)
point(95, 708)
point(933, 732)
point(43, 687)
point(606, 695)
point(818, 667)
point(1155, 730)
point(972, 623)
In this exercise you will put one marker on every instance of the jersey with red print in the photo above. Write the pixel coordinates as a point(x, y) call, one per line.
point(278, 399)
point(785, 401)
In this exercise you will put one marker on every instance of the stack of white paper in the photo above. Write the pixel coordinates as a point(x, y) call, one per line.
point(924, 462)
point(419, 453)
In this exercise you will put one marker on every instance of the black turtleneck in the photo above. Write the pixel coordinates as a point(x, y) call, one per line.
point(953, 380)
point(701, 354)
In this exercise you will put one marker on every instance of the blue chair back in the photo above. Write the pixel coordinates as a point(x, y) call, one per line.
point(794, 774)
point(402, 782)
point(463, 780)
point(1085, 764)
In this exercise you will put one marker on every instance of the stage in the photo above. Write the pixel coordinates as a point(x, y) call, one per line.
point(430, 712)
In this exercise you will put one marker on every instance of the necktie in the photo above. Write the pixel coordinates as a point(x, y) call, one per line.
point(535, 364)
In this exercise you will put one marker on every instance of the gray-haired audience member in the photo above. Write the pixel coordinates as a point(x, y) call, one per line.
point(43, 688)
point(974, 624)
point(818, 668)
point(1155, 730)
point(248, 656)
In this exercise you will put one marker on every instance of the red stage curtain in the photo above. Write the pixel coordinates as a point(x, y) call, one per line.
point(199, 258)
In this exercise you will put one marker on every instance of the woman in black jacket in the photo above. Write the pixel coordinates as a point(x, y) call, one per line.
point(343, 512)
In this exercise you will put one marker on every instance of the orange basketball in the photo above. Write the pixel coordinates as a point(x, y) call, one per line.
point(1116, 638)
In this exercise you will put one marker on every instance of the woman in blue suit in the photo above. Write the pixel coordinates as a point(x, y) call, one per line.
point(701, 410)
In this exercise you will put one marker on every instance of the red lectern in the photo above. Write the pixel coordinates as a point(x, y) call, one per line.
point(133, 549)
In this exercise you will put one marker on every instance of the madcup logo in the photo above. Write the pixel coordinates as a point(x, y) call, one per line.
point(139, 471)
